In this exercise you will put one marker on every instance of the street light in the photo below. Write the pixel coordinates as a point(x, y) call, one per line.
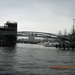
point(73, 25)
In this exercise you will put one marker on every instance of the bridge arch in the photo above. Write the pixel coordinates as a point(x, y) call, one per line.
point(62, 39)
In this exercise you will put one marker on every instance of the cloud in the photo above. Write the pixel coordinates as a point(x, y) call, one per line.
point(39, 15)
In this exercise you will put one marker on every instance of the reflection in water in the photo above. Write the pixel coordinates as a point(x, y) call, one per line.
point(27, 59)
point(7, 60)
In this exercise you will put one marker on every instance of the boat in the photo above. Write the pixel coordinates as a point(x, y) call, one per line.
point(48, 44)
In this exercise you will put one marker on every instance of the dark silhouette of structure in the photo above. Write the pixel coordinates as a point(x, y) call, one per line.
point(8, 34)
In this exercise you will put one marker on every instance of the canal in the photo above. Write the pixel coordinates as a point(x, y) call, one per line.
point(33, 59)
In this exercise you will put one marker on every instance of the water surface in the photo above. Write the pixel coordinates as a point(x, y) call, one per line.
point(33, 59)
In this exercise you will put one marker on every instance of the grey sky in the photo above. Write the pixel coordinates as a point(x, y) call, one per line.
point(39, 15)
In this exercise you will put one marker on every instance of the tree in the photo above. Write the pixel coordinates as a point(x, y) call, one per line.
point(60, 33)
point(65, 32)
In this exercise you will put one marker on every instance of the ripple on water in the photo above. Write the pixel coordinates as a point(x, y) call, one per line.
point(27, 59)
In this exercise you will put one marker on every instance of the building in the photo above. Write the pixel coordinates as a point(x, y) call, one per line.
point(8, 34)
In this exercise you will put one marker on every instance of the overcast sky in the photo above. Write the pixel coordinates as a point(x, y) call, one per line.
point(39, 15)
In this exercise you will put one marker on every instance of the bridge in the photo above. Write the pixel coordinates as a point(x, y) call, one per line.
point(61, 39)
point(33, 35)
point(9, 34)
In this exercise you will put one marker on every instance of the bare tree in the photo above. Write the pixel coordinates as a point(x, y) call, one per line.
point(60, 33)
point(65, 32)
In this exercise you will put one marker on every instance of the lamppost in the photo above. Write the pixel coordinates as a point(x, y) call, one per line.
point(73, 25)
point(73, 31)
